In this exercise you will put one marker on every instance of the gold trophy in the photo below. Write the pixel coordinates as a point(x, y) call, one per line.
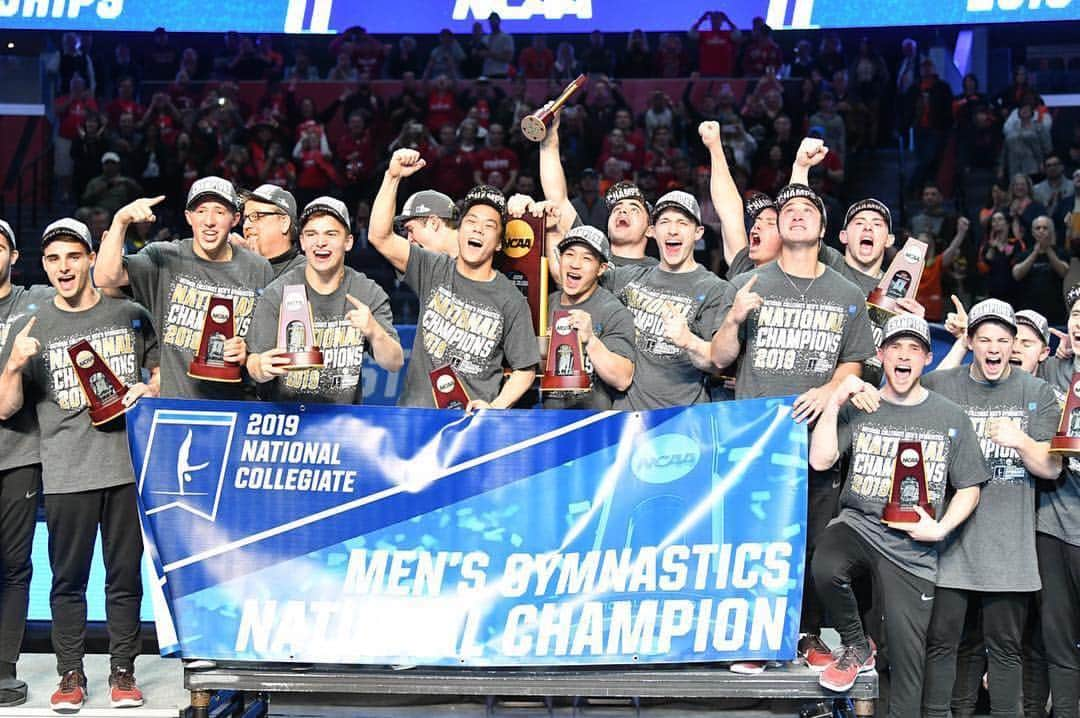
point(535, 126)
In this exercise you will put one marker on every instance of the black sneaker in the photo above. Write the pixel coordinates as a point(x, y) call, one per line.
point(12, 692)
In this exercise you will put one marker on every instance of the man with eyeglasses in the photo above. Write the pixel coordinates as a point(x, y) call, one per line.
point(1055, 188)
point(270, 227)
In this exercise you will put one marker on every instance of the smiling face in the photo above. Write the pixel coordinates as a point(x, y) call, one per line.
point(991, 346)
point(267, 226)
point(479, 236)
point(676, 233)
point(764, 238)
point(580, 269)
point(903, 360)
point(67, 264)
point(1028, 350)
point(211, 221)
point(627, 222)
point(325, 241)
point(800, 222)
point(866, 237)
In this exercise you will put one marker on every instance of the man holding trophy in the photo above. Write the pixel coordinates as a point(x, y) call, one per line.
point(316, 321)
point(906, 447)
point(117, 341)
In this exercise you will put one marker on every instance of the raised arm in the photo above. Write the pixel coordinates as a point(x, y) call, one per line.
point(811, 152)
point(725, 195)
point(553, 177)
point(381, 235)
point(109, 270)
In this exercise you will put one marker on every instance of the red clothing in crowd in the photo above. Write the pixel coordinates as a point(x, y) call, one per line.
point(536, 64)
point(357, 156)
point(716, 53)
point(630, 160)
point(118, 107)
point(660, 163)
point(502, 160)
point(452, 172)
point(442, 110)
point(316, 173)
point(760, 54)
point(72, 117)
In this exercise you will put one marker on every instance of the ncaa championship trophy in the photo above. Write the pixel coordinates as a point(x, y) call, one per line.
point(296, 333)
point(447, 389)
point(209, 363)
point(103, 390)
point(524, 263)
point(901, 279)
point(1067, 438)
point(565, 367)
point(535, 126)
point(908, 486)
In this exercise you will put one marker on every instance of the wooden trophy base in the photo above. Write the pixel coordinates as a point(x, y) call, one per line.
point(534, 129)
point(225, 373)
point(880, 300)
point(312, 359)
point(107, 412)
point(577, 383)
point(1065, 445)
point(899, 516)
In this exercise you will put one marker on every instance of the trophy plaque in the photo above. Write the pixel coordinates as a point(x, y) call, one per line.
point(219, 327)
point(901, 279)
point(1067, 438)
point(104, 392)
point(524, 263)
point(565, 368)
point(296, 333)
point(448, 390)
point(536, 125)
point(908, 486)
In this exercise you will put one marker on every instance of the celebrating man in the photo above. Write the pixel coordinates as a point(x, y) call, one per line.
point(270, 227)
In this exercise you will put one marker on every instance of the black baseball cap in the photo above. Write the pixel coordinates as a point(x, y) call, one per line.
point(872, 205)
point(277, 196)
point(1071, 296)
point(756, 204)
point(427, 203)
point(991, 310)
point(796, 190)
point(624, 190)
point(70, 228)
point(486, 194)
point(328, 205)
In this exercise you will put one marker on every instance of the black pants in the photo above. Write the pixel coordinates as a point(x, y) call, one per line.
point(906, 601)
point(1003, 616)
point(73, 521)
point(823, 492)
point(1059, 565)
point(20, 492)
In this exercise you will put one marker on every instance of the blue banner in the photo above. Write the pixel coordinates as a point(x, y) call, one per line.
point(337, 534)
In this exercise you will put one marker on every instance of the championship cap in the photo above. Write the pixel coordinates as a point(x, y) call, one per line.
point(872, 205)
point(1071, 296)
point(277, 196)
point(796, 191)
point(589, 236)
point(110, 157)
point(212, 187)
point(991, 310)
point(486, 194)
point(682, 201)
point(329, 205)
point(7, 231)
point(906, 325)
point(756, 204)
point(1036, 321)
point(427, 203)
point(68, 227)
point(624, 190)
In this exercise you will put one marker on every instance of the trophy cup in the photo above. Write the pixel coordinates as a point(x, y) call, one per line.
point(535, 126)
point(447, 389)
point(104, 392)
point(219, 327)
point(908, 486)
point(902, 278)
point(296, 335)
point(565, 368)
point(1067, 438)
point(523, 262)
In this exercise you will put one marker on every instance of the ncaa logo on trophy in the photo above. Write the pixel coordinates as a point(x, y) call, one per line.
point(186, 460)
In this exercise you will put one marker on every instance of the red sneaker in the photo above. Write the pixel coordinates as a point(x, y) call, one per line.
point(71, 694)
point(840, 675)
point(123, 693)
point(815, 653)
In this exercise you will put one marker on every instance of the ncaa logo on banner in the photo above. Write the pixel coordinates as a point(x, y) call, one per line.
point(665, 458)
point(186, 457)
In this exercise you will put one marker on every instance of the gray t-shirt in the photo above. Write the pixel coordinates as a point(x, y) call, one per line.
point(343, 347)
point(663, 373)
point(872, 371)
point(951, 457)
point(175, 284)
point(803, 330)
point(614, 325)
point(19, 434)
point(1058, 514)
point(740, 264)
point(75, 455)
point(475, 327)
point(994, 550)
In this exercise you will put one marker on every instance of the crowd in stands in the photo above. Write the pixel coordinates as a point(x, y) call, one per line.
point(150, 117)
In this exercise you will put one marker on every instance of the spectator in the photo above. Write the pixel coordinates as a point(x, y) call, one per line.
point(907, 74)
point(484, 98)
point(160, 61)
point(783, 136)
point(933, 217)
point(927, 109)
point(566, 66)
point(998, 254)
point(475, 51)
point(717, 45)
point(658, 114)
point(1014, 95)
point(221, 58)
point(124, 101)
point(870, 79)
point(111, 190)
point(515, 105)
point(445, 58)
point(368, 55)
point(830, 59)
point(355, 153)
point(452, 169)
point(152, 164)
point(496, 157)
point(1023, 205)
point(162, 113)
point(636, 60)
point(343, 70)
point(1027, 143)
point(275, 61)
point(536, 61)
point(409, 103)
point(761, 50)
point(707, 251)
point(469, 137)
point(1055, 190)
point(997, 200)
point(405, 57)
point(970, 109)
point(671, 57)
point(71, 110)
point(442, 106)
point(834, 130)
point(774, 173)
point(73, 61)
point(1072, 218)
point(125, 137)
point(630, 156)
point(122, 66)
point(588, 203)
point(1039, 274)
point(277, 169)
point(189, 64)
point(931, 293)
point(804, 63)
point(597, 58)
point(86, 151)
point(805, 101)
point(316, 175)
point(302, 69)
point(499, 49)
point(248, 64)
point(741, 143)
